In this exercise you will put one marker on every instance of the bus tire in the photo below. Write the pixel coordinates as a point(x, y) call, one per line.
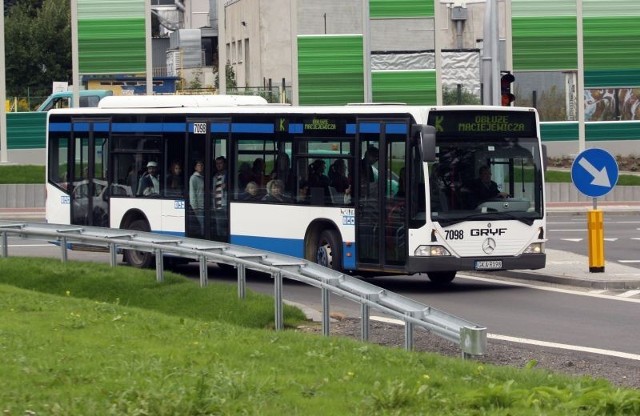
point(329, 250)
point(135, 258)
point(441, 278)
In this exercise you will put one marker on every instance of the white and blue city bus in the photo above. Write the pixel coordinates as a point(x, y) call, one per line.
point(382, 188)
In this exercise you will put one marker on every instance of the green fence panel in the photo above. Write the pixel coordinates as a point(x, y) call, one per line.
point(330, 69)
point(409, 87)
point(386, 9)
point(26, 130)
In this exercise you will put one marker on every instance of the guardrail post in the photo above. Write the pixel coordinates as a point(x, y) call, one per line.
point(364, 321)
point(204, 271)
point(159, 265)
point(113, 258)
point(325, 311)
point(277, 284)
point(473, 341)
point(242, 281)
point(63, 247)
point(408, 332)
point(5, 245)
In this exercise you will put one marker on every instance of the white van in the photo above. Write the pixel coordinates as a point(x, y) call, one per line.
point(64, 99)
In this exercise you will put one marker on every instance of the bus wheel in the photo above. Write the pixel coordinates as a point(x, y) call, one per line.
point(329, 251)
point(441, 278)
point(135, 258)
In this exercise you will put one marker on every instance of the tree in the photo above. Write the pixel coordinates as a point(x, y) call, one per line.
point(37, 46)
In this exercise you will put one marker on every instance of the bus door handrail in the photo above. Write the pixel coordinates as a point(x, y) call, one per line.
point(471, 338)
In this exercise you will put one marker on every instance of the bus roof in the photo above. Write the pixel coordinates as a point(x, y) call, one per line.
point(177, 101)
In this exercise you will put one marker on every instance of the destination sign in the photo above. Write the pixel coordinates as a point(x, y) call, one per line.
point(484, 123)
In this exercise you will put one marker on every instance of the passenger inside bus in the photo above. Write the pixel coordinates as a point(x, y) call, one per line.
point(251, 193)
point(149, 184)
point(175, 180)
point(275, 192)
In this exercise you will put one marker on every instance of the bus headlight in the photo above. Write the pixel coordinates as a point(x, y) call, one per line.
point(535, 248)
point(431, 251)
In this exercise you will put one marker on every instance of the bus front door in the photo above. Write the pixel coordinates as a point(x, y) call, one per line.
point(380, 217)
point(87, 173)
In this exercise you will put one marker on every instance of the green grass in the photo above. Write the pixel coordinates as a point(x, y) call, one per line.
point(565, 176)
point(109, 341)
point(25, 174)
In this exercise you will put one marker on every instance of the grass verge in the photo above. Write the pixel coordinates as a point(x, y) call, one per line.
point(565, 177)
point(83, 348)
point(24, 174)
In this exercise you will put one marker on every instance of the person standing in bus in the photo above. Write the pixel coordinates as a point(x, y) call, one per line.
point(282, 170)
point(174, 180)
point(196, 197)
point(220, 196)
point(257, 173)
point(150, 183)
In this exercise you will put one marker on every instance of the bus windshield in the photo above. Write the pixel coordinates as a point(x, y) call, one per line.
point(486, 176)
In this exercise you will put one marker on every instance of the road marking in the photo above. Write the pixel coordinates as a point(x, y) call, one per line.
point(507, 338)
point(629, 261)
point(550, 289)
point(582, 230)
point(629, 293)
point(611, 239)
point(600, 351)
point(573, 240)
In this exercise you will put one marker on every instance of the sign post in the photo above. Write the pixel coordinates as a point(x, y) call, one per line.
point(594, 173)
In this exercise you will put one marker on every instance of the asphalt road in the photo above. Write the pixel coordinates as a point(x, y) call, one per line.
point(568, 232)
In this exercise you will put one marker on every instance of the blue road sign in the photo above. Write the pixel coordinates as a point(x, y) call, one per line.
point(594, 172)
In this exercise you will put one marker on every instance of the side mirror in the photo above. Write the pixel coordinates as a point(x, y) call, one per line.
point(545, 158)
point(427, 135)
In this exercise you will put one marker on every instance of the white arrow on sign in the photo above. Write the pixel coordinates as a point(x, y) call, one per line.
point(600, 177)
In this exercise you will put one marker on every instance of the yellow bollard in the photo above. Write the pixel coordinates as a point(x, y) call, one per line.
point(595, 229)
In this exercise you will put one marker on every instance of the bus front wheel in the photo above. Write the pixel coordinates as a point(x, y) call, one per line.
point(329, 250)
point(135, 258)
point(441, 278)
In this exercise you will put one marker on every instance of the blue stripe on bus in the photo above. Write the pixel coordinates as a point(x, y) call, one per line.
point(396, 128)
point(101, 127)
point(60, 127)
point(287, 246)
point(268, 128)
point(220, 127)
point(393, 128)
point(296, 128)
point(81, 126)
point(148, 127)
point(370, 128)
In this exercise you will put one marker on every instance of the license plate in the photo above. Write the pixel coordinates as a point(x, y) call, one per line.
point(488, 264)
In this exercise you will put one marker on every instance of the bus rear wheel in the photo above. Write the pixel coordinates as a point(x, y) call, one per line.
point(441, 278)
point(329, 250)
point(135, 258)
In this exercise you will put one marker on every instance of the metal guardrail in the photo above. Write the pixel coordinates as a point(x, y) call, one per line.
point(471, 338)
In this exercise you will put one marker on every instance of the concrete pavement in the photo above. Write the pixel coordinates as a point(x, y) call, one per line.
point(564, 268)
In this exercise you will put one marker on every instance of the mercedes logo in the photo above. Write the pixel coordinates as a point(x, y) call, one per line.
point(489, 245)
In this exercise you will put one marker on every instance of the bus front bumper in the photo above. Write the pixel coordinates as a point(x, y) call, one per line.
point(444, 264)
